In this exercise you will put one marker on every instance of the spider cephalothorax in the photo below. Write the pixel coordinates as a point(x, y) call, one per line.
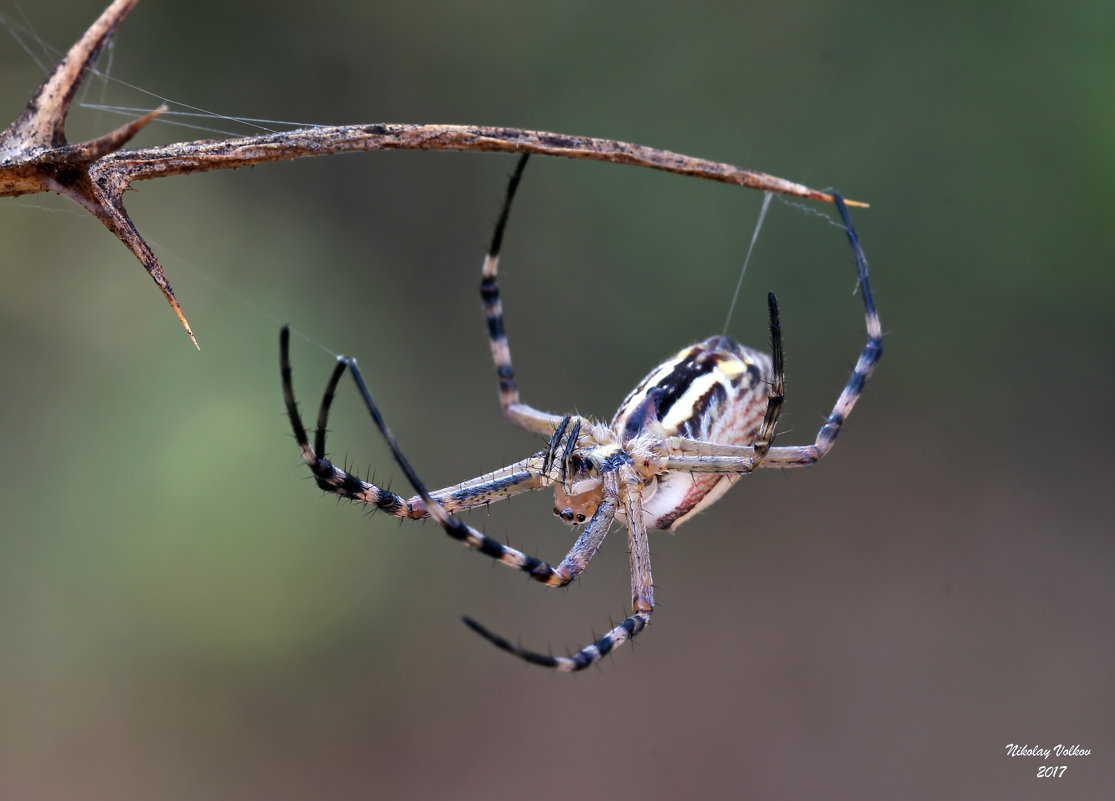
point(684, 435)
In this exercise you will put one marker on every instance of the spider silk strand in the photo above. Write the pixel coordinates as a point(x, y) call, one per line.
point(747, 259)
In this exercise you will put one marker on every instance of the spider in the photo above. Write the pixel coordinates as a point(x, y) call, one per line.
point(680, 439)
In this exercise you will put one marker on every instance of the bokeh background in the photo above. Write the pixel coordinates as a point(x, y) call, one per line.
point(183, 615)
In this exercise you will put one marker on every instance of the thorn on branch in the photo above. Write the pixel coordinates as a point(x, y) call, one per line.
point(35, 156)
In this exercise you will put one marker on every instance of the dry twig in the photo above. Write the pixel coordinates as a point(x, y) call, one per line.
point(35, 156)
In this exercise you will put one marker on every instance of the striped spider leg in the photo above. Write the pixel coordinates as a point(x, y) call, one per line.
point(496, 486)
point(679, 440)
point(704, 458)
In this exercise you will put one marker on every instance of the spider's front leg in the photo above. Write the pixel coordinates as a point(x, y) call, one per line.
point(508, 481)
point(570, 567)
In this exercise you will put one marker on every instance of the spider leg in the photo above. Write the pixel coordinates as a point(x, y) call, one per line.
point(744, 462)
point(511, 480)
point(642, 586)
point(801, 456)
point(518, 412)
point(465, 534)
point(499, 485)
point(701, 457)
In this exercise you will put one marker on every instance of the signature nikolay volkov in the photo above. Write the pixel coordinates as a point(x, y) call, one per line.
point(1037, 751)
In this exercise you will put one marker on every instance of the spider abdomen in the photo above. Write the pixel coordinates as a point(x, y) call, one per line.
point(714, 391)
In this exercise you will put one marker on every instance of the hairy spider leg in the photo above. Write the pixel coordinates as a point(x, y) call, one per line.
point(513, 479)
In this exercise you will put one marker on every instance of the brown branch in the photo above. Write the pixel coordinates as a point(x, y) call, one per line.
point(35, 156)
point(187, 157)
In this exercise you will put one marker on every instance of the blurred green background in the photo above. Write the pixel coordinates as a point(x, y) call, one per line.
point(183, 615)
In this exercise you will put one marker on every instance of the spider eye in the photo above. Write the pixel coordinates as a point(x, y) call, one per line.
point(580, 518)
point(557, 512)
